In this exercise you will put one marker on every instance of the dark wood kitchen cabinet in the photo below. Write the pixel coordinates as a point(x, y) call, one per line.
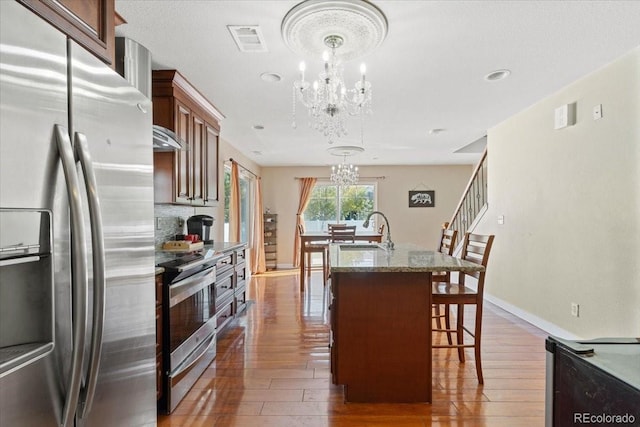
point(240, 282)
point(224, 290)
point(159, 361)
point(231, 286)
point(187, 176)
point(91, 23)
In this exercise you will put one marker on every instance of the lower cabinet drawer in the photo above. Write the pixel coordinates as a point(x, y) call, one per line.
point(159, 377)
point(240, 300)
point(158, 329)
point(224, 313)
point(158, 289)
point(224, 288)
point(241, 256)
point(241, 274)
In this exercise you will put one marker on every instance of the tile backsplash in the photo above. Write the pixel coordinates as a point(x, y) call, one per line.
point(169, 221)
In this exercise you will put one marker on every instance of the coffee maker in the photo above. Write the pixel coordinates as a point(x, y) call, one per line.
point(201, 225)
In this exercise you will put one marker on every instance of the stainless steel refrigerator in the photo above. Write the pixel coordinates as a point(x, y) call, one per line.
point(77, 304)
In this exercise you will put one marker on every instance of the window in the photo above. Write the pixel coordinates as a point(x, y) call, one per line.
point(246, 190)
point(333, 204)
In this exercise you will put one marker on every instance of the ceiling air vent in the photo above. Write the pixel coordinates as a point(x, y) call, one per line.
point(248, 38)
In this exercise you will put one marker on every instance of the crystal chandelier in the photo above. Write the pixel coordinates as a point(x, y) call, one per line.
point(344, 174)
point(327, 99)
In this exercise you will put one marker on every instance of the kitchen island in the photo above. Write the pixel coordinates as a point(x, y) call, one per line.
point(381, 319)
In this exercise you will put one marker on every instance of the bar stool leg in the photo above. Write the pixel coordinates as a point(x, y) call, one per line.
point(324, 267)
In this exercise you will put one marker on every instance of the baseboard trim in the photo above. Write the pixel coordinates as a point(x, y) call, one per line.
point(536, 321)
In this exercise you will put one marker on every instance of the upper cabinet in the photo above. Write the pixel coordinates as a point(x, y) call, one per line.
point(190, 175)
point(89, 22)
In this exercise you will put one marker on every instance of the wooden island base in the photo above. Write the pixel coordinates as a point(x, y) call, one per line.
point(381, 335)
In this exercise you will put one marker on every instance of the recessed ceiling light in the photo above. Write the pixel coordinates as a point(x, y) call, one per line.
point(258, 127)
point(497, 75)
point(436, 131)
point(270, 77)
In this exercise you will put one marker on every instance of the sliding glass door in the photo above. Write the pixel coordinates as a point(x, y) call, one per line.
point(246, 204)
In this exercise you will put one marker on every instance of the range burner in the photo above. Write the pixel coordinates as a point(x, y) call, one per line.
point(182, 261)
point(178, 262)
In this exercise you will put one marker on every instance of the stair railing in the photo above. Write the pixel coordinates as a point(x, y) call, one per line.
point(473, 201)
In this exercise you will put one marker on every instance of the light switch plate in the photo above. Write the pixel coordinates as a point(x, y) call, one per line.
point(597, 112)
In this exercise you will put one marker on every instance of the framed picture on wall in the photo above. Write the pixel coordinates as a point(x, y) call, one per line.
point(422, 198)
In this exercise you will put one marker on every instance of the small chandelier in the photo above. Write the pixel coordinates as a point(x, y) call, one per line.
point(327, 99)
point(345, 173)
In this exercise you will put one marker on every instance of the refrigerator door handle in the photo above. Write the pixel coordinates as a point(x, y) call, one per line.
point(99, 284)
point(79, 273)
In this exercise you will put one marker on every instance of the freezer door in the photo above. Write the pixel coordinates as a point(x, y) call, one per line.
point(115, 120)
point(33, 99)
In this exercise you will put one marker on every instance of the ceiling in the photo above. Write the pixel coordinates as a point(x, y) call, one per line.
point(427, 74)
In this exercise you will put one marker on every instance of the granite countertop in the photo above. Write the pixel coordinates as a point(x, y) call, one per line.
point(212, 250)
point(406, 257)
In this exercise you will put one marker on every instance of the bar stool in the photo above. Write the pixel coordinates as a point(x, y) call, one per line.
point(447, 245)
point(476, 249)
point(316, 247)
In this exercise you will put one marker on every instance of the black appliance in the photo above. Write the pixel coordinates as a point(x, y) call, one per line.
point(595, 382)
point(189, 322)
point(201, 225)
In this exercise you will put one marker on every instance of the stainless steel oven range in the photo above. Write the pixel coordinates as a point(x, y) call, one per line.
point(189, 319)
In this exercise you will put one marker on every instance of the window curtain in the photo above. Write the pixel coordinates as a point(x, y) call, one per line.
point(306, 188)
point(258, 264)
point(234, 204)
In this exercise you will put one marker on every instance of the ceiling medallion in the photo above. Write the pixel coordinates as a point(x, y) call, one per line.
point(345, 150)
point(361, 26)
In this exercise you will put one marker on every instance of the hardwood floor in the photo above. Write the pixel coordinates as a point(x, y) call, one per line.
point(272, 369)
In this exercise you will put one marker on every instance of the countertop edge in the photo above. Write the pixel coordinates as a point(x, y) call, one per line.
point(400, 269)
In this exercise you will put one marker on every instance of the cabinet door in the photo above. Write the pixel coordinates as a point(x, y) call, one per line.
point(89, 22)
point(183, 167)
point(199, 160)
point(211, 165)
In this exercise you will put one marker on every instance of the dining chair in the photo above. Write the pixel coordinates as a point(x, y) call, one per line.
point(381, 229)
point(343, 234)
point(446, 246)
point(330, 226)
point(476, 249)
point(316, 247)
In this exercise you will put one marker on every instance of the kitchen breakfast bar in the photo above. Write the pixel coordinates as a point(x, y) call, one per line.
point(380, 306)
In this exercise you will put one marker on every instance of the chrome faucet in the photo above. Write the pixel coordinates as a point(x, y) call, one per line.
point(365, 224)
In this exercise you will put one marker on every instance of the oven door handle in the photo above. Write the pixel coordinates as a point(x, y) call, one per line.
point(193, 358)
point(193, 264)
point(183, 289)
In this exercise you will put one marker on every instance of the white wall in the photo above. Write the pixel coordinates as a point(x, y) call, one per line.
point(414, 225)
point(571, 205)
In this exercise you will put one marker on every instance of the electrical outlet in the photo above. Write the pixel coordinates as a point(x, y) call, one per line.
point(575, 309)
